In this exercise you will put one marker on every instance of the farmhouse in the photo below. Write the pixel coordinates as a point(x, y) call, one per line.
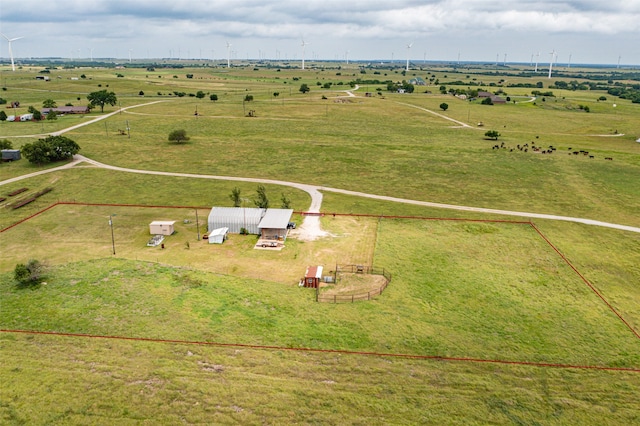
point(67, 110)
point(494, 98)
point(161, 227)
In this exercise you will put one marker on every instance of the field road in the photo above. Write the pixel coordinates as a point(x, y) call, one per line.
point(310, 229)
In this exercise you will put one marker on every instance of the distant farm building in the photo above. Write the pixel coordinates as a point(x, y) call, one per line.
point(43, 77)
point(218, 236)
point(67, 110)
point(10, 154)
point(161, 227)
point(417, 81)
point(26, 117)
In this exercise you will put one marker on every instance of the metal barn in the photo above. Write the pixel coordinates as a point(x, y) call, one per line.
point(236, 218)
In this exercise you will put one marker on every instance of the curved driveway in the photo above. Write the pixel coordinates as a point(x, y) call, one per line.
point(316, 195)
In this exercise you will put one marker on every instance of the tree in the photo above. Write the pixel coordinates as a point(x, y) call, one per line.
point(213, 97)
point(493, 134)
point(29, 274)
point(444, 106)
point(50, 149)
point(102, 98)
point(286, 202)
point(178, 136)
point(262, 201)
point(276, 94)
point(487, 101)
point(6, 144)
point(49, 103)
point(235, 197)
point(52, 115)
point(141, 93)
point(37, 115)
point(248, 98)
point(304, 88)
point(3, 116)
point(200, 94)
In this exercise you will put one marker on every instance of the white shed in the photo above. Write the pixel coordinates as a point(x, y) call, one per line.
point(217, 236)
point(161, 227)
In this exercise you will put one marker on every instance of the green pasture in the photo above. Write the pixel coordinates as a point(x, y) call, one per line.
point(460, 289)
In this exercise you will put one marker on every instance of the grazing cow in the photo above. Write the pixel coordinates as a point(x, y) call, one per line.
point(591, 156)
point(575, 153)
point(608, 158)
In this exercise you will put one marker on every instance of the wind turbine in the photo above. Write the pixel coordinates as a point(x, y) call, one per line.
point(537, 58)
point(228, 55)
point(553, 53)
point(10, 40)
point(505, 60)
point(408, 48)
point(619, 57)
point(130, 55)
point(303, 45)
point(346, 56)
point(569, 62)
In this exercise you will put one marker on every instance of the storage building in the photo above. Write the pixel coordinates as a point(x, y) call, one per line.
point(217, 236)
point(161, 227)
point(10, 154)
point(273, 225)
point(236, 218)
point(312, 276)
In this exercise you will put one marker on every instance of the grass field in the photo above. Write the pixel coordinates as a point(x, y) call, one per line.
point(473, 299)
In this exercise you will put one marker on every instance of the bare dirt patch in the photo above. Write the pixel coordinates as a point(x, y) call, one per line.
point(354, 284)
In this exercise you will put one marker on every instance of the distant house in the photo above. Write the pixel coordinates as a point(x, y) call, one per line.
point(417, 81)
point(494, 98)
point(43, 77)
point(67, 110)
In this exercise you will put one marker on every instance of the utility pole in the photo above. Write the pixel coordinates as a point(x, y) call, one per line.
point(113, 240)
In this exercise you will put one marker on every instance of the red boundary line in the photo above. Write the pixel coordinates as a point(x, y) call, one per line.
point(562, 256)
point(332, 351)
point(337, 351)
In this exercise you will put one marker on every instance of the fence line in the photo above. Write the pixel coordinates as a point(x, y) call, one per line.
point(356, 269)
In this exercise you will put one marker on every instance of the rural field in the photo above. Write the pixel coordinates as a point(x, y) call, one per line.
point(488, 319)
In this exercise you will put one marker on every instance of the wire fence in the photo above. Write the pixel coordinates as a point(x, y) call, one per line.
point(356, 297)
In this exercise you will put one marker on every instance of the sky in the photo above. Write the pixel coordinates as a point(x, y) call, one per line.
point(579, 31)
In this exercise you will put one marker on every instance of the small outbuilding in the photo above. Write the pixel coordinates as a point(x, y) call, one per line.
point(312, 276)
point(161, 227)
point(10, 154)
point(26, 117)
point(218, 236)
point(274, 224)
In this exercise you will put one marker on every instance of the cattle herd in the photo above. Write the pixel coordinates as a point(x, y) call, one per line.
point(540, 150)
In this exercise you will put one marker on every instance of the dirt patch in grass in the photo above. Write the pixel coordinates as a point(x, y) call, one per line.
point(354, 284)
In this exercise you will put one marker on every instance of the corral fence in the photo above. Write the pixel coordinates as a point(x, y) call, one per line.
point(356, 269)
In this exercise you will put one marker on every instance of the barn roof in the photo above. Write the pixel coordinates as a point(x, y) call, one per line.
point(276, 219)
point(313, 272)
